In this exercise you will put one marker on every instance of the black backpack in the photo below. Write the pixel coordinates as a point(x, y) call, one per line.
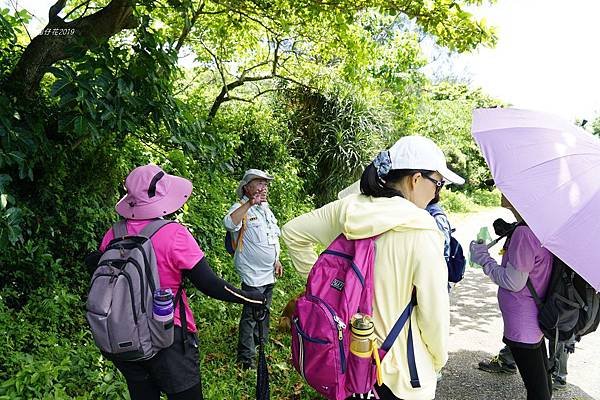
point(456, 263)
point(232, 245)
point(571, 308)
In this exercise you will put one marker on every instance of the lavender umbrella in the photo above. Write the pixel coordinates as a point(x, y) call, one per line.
point(549, 169)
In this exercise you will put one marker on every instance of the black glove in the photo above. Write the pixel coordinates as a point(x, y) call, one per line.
point(259, 310)
point(91, 260)
point(259, 299)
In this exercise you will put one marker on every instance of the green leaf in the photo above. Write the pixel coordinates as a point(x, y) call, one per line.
point(79, 124)
point(59, 73)
point(59, 86)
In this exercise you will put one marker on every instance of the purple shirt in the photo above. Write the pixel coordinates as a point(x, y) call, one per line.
point(519, 311)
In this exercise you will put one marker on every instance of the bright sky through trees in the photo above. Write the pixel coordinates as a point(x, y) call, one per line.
point(545, 58)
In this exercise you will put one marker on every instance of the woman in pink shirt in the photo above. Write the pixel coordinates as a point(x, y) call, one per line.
point(175, 370)
point(525, 259)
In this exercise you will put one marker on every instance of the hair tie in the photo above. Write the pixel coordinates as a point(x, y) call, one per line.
point(382, 163)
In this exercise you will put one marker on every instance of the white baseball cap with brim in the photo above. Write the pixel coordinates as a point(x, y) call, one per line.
point(250, 175)
point(419, 152)
point(152, 193)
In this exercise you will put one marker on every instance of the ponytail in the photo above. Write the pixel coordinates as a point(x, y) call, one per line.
point(372, 185)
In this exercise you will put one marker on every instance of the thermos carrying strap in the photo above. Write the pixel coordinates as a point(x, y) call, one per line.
point(377, 362)
point(182, 315)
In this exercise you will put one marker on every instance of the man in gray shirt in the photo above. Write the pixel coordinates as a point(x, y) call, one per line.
point(255, 238)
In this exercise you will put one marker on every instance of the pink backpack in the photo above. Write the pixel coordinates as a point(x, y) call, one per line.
point(339, 285)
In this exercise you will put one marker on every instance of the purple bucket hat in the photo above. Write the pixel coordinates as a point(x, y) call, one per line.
point(152, 193)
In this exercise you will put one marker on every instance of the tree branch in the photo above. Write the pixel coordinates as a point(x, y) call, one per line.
point(248, 16)
point(86, 4)
point(250, 100)
point(244, 72)
point(14, 6)
point(187, 28)
point(276, 55)
point(225, 95)
point(187, 85)
point(82, 33)
point(55, 10)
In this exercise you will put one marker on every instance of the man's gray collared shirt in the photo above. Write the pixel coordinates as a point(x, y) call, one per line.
point(255, 257)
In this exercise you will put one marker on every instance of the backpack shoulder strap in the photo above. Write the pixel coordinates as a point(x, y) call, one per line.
point(154, 226)
point(120, 228)
point(366, 297)
point(410, 350)
point(437, 213)
point(536, 298)
point(238, 244)
point(440, 213)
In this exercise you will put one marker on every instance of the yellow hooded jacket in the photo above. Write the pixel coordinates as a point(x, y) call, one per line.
point(409, 253)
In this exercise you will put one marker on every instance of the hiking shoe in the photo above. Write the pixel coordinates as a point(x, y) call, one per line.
point(496, 365)
point(246, 365)
point(558, 383)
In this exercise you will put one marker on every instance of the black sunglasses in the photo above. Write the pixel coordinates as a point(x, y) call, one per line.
point(438, 184)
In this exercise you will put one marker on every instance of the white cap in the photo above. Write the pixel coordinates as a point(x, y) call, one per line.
point(249, 175)
point(418, 152)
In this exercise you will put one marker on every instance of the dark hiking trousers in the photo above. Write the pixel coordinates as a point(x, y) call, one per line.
point(172, 371)
point(532, 362)
point(248, 329)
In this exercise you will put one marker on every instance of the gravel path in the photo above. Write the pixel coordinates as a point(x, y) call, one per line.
point(476, 333)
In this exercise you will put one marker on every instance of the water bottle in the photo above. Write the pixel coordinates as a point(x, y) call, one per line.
point(483, 237)
point(162, 305)
point(361, 332)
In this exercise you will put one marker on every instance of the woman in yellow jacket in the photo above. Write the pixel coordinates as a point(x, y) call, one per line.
point(395, 188)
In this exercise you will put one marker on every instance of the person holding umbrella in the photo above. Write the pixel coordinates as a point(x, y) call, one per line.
point(548, 168)
point(524, 259)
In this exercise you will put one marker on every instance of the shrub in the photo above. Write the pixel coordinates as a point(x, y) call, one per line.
point(486, 198)
point(456, 202)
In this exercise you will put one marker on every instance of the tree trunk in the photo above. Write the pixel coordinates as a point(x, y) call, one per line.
point(59, 38)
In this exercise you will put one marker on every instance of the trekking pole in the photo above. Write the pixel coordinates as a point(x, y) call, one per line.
point(493, 242)
point(263, 391)
point(503, 229)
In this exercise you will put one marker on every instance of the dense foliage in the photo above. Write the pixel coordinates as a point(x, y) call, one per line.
point(307, 90)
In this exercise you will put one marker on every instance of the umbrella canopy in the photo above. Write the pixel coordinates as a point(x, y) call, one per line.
point(549, 169)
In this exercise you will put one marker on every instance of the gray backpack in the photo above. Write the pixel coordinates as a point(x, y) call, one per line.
point(119, 303)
